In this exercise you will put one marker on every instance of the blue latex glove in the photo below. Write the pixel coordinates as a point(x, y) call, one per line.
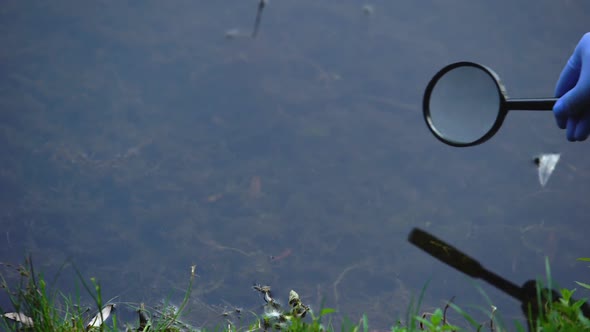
point(572, 109)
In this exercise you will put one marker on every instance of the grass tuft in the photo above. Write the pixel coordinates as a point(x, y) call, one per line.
point(38, 309)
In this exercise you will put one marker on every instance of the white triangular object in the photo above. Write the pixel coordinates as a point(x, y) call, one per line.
point(101, 316)
point(546, 165)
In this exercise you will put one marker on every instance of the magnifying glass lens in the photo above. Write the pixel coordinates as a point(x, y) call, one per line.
point(464, 104)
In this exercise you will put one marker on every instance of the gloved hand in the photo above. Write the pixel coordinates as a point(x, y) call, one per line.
point(572, 109)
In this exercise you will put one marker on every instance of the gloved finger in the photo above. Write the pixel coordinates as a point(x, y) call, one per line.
point(564, 111)
point(567, 81)
point(577, 99)
point(560, 118)
point(582, 127)
point(571, 72)
point(569, 75)
point(570, 132)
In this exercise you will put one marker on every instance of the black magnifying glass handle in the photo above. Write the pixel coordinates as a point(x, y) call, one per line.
point(539, 104)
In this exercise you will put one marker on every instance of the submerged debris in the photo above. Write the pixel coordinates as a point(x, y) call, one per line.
point(274, 317)
point(144, 319)
point(298, 308)
point(233, 311)
point(546, 165)
point(265, 291)
point(368, 10)
point(20, 318)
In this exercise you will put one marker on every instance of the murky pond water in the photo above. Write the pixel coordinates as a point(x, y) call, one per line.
point(138, 140)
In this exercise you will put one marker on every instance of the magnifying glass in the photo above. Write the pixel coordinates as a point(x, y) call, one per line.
point(465, 104)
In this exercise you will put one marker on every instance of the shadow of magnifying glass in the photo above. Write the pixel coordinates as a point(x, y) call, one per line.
point(465, 104)
point(526, 294)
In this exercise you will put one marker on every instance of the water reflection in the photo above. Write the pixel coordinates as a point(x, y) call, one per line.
point(527, 295)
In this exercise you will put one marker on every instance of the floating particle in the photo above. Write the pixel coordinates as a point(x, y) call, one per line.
point(233, 33)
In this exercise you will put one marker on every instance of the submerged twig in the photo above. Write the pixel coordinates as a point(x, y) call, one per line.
point(261, 5)
point(339, 279)
point(218, 246)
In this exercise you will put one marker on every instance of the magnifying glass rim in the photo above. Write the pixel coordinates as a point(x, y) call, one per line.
point(499, 118)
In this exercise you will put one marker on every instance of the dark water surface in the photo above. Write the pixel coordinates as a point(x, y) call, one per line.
point(136, 140)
